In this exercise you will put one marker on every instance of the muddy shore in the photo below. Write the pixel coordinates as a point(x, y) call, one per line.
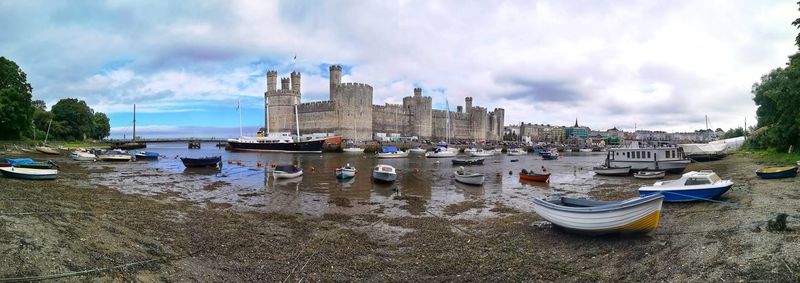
point(77, 230)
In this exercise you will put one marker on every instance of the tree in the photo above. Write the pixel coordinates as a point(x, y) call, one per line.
point(101, 126)
point(76, 116)
point(15, 101)
point(778, 100)
point(732, 133)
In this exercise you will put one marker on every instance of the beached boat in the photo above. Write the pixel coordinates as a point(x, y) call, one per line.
point(82, 156)
point(611, 171)
point(526, 175)
point(777, 172)
point(442, 152)
point(346, 172)
point(391, 152)
point(29, 173)
point(47, 150)
point(670, 159)
point(115, 155)
point(649, 174)
point(147, 155)
point(692, 186)
point(516, 151)
point(384, 173)
point(210, 161)
point(469, 178)
point(482, 153)
point(470, 161)
point(636, 215)
point(30, 163)
point(287, 172)
point(714, 150)
point(353, 150)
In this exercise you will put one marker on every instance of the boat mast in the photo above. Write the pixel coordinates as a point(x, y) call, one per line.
point(239, 107)
point(134, 123)
point(48, 131)
point(447, 121)
point(297, 121)
point(266, 109)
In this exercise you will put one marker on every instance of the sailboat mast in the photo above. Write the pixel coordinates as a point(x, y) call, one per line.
point(297, 121)
point(239, 107)
point(266, 109)
point(48, 131)
point(134, 123)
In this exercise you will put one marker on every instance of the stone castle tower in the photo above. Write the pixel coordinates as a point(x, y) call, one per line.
point(352, 103)
point(280, 103)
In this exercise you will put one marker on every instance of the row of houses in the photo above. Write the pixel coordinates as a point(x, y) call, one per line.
point(582, 135)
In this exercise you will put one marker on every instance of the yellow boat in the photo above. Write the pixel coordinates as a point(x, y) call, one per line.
point(777, 172)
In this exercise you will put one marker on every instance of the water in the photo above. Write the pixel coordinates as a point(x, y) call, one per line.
point(242, 183)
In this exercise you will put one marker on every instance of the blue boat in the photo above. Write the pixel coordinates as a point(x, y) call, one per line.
point(29, 173)
point(777, 172)
point(30, 163)
point(201, 162)
point(147, 155)
point(692, 186)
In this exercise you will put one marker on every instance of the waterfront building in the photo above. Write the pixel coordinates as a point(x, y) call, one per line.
point(577, 132)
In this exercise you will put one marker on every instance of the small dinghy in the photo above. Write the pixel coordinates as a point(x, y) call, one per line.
point(351, 147)
point(612, 171)
point(287, 171)
point(346, 172)
point(777, 172)
point(636, 215)
point(147, 155)
point(526, 175)
point(384, 173)
point(649, 174)
point(391, 152)
point(210, 161)
point(47, 150)
point(470, 161)
point(82, 156)
point(29, 173)
point(692, 186)
point(469, 178)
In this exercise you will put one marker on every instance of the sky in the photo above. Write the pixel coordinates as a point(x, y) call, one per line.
point(658, 65)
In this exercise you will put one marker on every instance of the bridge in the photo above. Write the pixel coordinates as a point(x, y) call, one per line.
point(184, 139)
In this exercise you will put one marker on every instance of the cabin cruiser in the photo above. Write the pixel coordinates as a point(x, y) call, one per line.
point(670, 159)
point(276, 142)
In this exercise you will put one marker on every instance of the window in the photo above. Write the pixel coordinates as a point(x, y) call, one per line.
point(697, 181)
point(638, 155)
point(673, 154)
point(648, 155)
point(666, 154)
point(629, 154)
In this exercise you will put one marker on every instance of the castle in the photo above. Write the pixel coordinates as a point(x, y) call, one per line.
point(350, 113)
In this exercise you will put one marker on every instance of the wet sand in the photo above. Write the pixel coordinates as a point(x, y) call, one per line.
point(82, 222)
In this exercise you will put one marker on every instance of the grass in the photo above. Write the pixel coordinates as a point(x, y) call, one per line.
point(771, 156)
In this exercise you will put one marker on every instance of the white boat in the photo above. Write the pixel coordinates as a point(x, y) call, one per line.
point(384, 173)
point(346, 172)
point(115, 155)
point(29, 173)
point(714, 150)
point(469, 178)
point(482, 153)
point(82, 156)
point(470, 150)
point(391, 152)
point(47, 150)
point(611, 171)
point(585, 150)
point(670, 159)
point(353, 150)
point(516, 152)
point(417, 150)
point(649, 174)
point(287, 172)
point(442, 152)
point(692, 186)
point(640, 214)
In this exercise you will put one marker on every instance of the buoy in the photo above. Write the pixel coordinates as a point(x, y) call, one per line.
point(230, 162)
point(510, 173)
point(258, 164)
point(313, 169)
point(239, 162)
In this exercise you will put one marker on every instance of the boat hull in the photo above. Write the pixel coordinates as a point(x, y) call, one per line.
point(353, 150)
point(286, 175)
point(686, 195)
point(637, 215)
point(345, 174)
point(201, 162)
point(313, 146)
point(481, 153)
point(384, 177)
point(475, 180)
point(789, 172)
point(115, 158)
point(443, 154)
point(534, 177)
point(47, 150)
point(417, 150)
point(29, 173)
point(671, 166)
point(649, 175)
point(475, 161)
point(400, 154)
point(621, 171)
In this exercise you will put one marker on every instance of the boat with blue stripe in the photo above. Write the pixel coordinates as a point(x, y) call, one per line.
point(692, 186)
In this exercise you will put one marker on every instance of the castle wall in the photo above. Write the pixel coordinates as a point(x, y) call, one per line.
point(479, 120)
point(460, 123)
point(389, 118)
point(317, 117)
point(420, 109)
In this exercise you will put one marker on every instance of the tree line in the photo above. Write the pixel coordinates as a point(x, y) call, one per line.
point(24, 118)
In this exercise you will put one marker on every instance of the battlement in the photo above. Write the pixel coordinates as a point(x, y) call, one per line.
point(354, 85)
point(272, 73)
point(315, 106)
point(335, 68)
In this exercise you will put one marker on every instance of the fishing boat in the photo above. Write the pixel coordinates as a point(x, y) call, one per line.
point(636, 215)
point(482, 153)
point(82, 156)
point(777, 172)
point(115, 155)
point(391, 152)
point(346, 172)
point(29, 173)
point(287, 171)
point(384, 173)
point(516, 151)
point(469, 178)
point(649, 175)
point(692, 186)
point(209, 161)
point(147, 155)
point(526, 175)
point(670, 159)
point(470, 161)
point(442, 151)
point(611, 171)
point(47, 150)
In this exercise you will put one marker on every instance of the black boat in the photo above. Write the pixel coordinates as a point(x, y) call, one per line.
point(201, 162)
point(311, 146)
point(194, 145)
point(471, 161)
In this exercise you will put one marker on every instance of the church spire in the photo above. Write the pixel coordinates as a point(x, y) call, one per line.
point(576, 122)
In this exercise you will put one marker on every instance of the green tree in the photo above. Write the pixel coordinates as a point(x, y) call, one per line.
point(76, 117)
point(732, 133)
point(102, 128)
point(16, 112)
point(778, 100)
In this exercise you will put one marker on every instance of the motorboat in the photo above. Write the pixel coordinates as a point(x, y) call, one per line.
point(352, 148)
point(147, 155)
point(470, 150)
point(777, 172)
point(391, 152)
point(209, 161)
point(287, 171)
point(469, 178)
point(82, 156)
point(552, 154)
point(346, 172)
point(670, 159)
point(417, 149)
point(649, 175)
point(611, 171)
point(442, 152)
point(29, 173)
point(482, 153)
point(115, 155)
point(636, 215)
point(692, 186)
point(469, 161)
point(529, 175)
point(516, 151)
point(47, 150)
point(384, 173)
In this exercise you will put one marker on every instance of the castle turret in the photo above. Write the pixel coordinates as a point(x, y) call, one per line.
point(284, 83)
point(272, 80)
point(459, 109)
point(335, 78)
point(295, 77)
point(417, 92)
point(468, 102)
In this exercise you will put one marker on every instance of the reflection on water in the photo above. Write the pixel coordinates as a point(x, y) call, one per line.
point(318, 191)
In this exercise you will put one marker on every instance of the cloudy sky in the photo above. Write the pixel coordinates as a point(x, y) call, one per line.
point(660, 65)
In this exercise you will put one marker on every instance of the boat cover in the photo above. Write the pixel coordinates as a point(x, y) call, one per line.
point(387, 149)
point(19, 161)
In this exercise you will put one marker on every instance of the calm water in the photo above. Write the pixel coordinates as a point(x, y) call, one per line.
point(318, 190)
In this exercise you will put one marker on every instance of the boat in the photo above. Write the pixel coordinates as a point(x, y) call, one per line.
point(29, 173)
point(47, 150)
point(209, 161)
point(711, 151)
point(30, 163)
point(346, 172)
point(481, 153)
point(352, 148)
point(670, 159)
point(442, 151)
point(777, 172)
point(470, 150)
point(636, 215)
point(417, 149)
point(585, 150)
point(147, 155)
point(692, 186)
point(391, 152)
point(82, 156)
point(516, 151)
point(276, 142)
point(469, 178)
point(526, 175)
point(470, 161)
point(611, 171)
point(649, 174)
point(384, 173)
point(287, 171)
point(552, 154)
point(115, 155)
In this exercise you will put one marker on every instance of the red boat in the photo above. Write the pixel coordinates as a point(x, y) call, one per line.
point(535, 177)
